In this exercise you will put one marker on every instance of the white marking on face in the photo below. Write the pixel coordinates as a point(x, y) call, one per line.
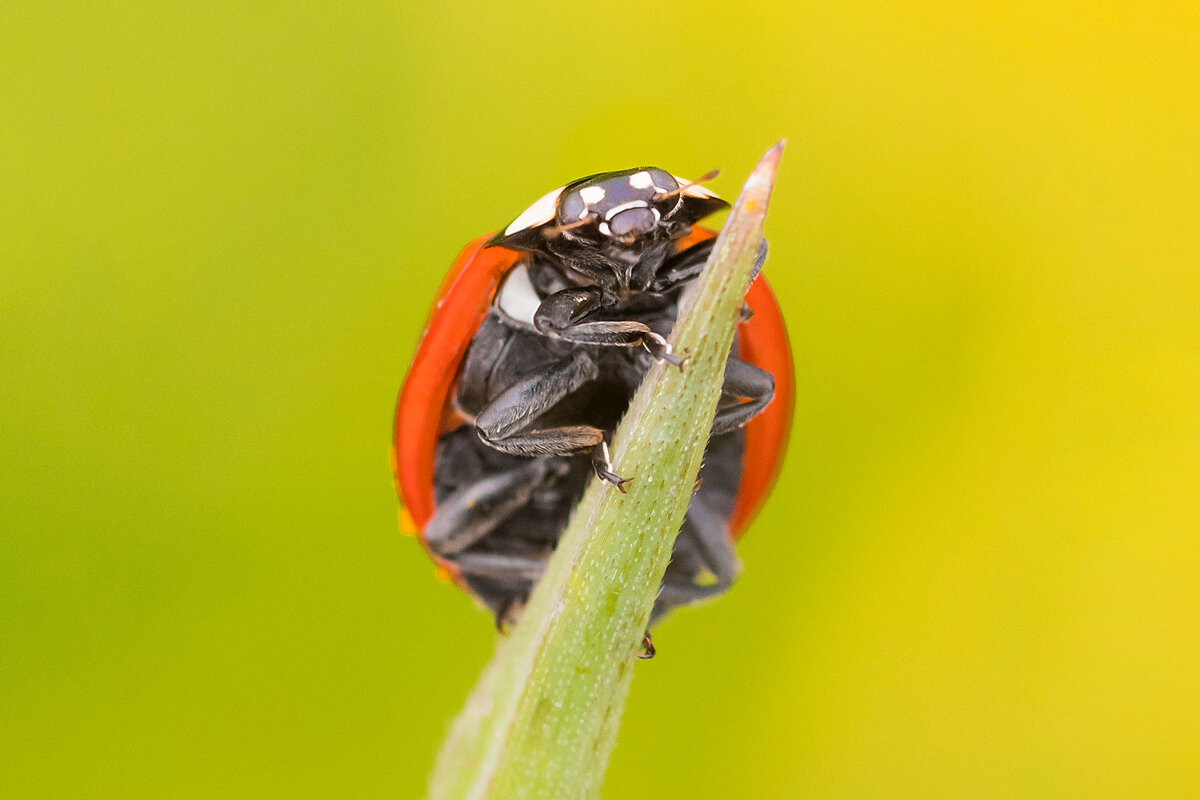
point(612, 212)
point(517, 298)
point(641, 180)
point(592, 194)
point(539, 213)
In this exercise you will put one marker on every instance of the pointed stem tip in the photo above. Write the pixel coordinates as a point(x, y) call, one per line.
point(756, 192)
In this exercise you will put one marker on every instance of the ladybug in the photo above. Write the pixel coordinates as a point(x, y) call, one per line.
point(538, 338)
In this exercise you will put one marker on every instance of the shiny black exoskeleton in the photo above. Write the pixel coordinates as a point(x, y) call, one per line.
point(551, 370)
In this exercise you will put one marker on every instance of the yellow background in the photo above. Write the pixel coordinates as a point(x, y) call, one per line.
point(220, 228)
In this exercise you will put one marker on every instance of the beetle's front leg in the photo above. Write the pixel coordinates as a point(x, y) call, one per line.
point(564, 315)
point(682, 267)
point(688, 264)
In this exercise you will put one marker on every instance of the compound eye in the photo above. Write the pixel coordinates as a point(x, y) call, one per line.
point(632, 223)
point(571, 208)
point(663, 181)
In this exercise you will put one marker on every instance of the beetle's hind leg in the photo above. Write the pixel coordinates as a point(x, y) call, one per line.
point(510, 611)
point(476, 509)
point(511, 576)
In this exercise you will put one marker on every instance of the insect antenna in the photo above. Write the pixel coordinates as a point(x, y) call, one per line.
point(684, 186)
point(550, 231)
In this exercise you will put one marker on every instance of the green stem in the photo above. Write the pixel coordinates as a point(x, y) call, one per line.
point(544, 717)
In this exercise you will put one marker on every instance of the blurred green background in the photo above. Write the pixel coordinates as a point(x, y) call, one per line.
point(221, 228)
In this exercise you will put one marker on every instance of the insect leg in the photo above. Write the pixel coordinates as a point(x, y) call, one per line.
point(760, 258)
point(709, 531)
point(510, 610)
point(525, 569)
point(602, 463)
point(474, 510)
point(686, 265)
point(682, 267)
point(503, 423)
point(564, 315)
point(647, 650)
point(502, 566)
point(742, 380)
point(675, 594)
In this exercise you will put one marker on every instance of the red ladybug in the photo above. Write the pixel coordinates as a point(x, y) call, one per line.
point(539, 336)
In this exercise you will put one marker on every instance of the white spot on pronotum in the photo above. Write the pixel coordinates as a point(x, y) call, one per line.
point(518, 299)
point(641, 180)
point(539, 213)
point(592, 194)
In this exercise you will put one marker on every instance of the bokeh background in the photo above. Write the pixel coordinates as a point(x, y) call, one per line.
point(220, 228)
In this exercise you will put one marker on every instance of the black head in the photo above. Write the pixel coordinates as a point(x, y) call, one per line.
point(615, 228)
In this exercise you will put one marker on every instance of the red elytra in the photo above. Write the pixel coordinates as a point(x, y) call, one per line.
point(424, 411)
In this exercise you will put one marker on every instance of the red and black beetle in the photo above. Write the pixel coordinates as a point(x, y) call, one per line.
point(537, 341)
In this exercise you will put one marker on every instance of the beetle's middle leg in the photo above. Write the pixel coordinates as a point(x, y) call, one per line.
point(504, 423)
point(712, 563)
point(742, 380)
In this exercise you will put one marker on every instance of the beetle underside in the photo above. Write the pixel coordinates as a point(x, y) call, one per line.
point(573, 326)
point(499, 514)
point(501, 567)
